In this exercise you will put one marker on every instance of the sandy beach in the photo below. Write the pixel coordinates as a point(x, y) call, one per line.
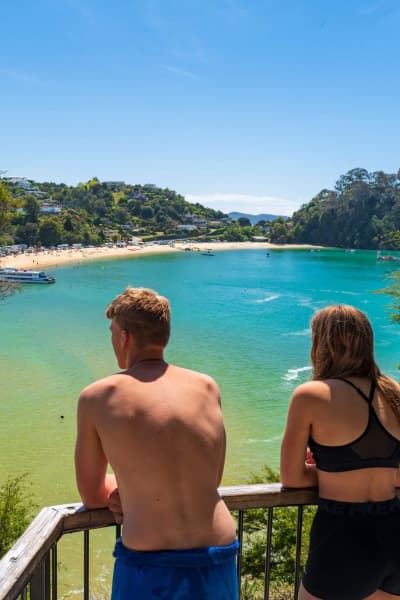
point(55, 258)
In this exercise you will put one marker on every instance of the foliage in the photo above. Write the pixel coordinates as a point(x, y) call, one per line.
point(393, 290)
point(16, 508)
point(94, 211)
point(7, 205)
point(50, 232)
point(278, 231)
point(283, 550)
point(7, 208)
point(32, 209)
point(363, 211)
point(253, 589)
point(8, 288)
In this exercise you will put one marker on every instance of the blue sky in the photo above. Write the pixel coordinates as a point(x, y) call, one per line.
point(244, 105)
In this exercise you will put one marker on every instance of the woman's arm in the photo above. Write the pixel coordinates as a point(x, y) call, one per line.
point(294, 470)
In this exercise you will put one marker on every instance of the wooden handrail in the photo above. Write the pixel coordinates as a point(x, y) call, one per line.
point(27, 554)
point(19, 564)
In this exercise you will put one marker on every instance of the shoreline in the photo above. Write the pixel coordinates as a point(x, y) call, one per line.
point(56, 258)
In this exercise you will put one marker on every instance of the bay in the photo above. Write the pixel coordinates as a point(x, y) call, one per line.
point(241, 316)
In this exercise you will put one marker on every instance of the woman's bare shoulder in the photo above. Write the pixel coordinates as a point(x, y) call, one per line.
point(312, 390)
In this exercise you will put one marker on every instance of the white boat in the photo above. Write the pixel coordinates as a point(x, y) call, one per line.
point(25, 276)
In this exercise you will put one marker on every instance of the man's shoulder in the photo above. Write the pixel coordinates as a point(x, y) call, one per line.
point(98, 388)
point(196, 378)
point(201, 378)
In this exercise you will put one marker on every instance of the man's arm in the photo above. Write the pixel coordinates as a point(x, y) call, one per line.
point(94, 484)
point(221, 465)
point(222, 459)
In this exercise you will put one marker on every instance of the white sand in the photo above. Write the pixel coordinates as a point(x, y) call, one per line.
point(56, 258)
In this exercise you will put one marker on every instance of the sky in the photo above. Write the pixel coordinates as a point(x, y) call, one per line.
point(242, 105)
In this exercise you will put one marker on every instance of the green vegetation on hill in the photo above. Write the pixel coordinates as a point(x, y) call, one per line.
point(95, 212)
point(363, 211)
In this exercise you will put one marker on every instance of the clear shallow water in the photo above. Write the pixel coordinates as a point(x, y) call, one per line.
point(240, 316)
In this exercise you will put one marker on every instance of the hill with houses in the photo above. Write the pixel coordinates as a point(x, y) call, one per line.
point(96, 212)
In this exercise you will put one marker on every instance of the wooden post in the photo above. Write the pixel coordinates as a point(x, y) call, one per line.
point(40, 582)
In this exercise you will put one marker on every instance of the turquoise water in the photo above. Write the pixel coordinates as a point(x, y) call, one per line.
point(241, 316)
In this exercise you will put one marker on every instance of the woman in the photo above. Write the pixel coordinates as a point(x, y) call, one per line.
point(343, 435)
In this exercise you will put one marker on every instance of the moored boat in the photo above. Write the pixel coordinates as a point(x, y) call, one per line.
point(25, 276)
point(388, 257)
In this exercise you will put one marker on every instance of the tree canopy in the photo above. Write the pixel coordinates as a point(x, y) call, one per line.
point(90, 212)
point(362, 211)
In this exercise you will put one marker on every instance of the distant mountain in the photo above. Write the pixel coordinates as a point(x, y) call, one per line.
point(254, 218)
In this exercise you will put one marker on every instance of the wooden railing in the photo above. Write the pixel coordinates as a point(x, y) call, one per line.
point(30, 567)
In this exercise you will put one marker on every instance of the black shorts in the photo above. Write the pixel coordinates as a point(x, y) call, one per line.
point(354, 550)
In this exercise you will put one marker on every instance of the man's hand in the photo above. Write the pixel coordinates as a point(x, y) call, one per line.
point(114, 504)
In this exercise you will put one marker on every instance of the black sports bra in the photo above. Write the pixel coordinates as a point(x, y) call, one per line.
point(375, 447)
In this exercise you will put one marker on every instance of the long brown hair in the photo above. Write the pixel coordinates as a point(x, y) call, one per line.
point(343, 346)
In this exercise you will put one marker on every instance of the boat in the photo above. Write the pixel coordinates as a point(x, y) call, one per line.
point(387, 257)
point(208, 253)
point(25, 276)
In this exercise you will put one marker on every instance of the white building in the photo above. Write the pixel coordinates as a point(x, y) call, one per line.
point(50, 209)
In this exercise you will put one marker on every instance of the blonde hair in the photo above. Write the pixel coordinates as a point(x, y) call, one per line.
point(143, 313)
point(343, 346)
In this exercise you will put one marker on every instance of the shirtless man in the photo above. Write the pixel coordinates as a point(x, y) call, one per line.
point(160, 428)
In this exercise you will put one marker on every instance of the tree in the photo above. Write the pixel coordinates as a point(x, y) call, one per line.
point(7, 206)
point(393, 290)
point(362, 212)
point(147, 212)
point(16, 508)
point(27, 234)
point(50, 232)
point(233, 233)
point(244, 222)
point(68, 225)
point(32, 209)
point(278, 231)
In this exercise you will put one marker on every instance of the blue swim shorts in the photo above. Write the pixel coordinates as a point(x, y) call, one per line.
point(195, 574)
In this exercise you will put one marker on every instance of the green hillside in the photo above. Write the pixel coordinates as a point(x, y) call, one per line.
point(95, 212)
point(363, 211)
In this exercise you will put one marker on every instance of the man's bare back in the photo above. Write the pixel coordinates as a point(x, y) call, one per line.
point(161, 430)
point(160, 427)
